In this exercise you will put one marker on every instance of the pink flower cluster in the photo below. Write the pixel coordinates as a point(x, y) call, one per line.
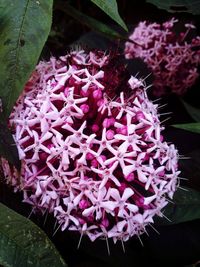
point(100, 165)
point(172, 60)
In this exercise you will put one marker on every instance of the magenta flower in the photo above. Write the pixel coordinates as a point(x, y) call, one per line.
point(172, 59)
point(100, 165)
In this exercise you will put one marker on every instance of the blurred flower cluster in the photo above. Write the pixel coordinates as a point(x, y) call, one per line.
point(172, 59)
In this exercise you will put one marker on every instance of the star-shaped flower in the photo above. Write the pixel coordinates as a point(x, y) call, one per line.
point(99, 203)
point(122, 202)
point(92, 80)
point(37, 145)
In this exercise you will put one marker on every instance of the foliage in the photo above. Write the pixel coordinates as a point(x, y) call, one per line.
point(88, 21)
point(192, 6)
point(185, 207)
point(193, 111)
point(110, 8)
point(192, 127)
point(23, 244)
point(25, 25)
point(8, 148)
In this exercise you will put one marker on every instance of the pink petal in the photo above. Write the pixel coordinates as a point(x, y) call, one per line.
point(120, 225)
point(128, 192)
point(74, 220)
point(123, 147)
point(138, 218)
point(148, 200)
point(88, 211)
point(77, 199)
point(44, 125)
point(109, 205)
point(65, 158)
point(128, 169)
point(53, 194)
point(38, 190)
point(45, 107)
point(141, 176)
point(132, 207)
point(115, 194)
point(46, 136)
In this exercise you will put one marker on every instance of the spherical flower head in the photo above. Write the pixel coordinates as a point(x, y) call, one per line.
point(173, 60)
point(99, 164)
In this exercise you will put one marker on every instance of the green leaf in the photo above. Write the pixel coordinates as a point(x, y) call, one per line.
point(88, 21)
point(186, 207)
point(193, 111)
point(25, 25)
point(111, 9)
point(23, 244)
point(191, 6)
point(190, 167)
point(8, 148)
point(192, 127)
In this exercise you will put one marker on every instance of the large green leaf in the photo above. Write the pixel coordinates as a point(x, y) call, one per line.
point(192, 127)
point(90, 22)
point(111, 9)
point(192, 6)
point(23, 244)
point(193, 111)
point(25, 25)
point(186, 207)
point(8, 148)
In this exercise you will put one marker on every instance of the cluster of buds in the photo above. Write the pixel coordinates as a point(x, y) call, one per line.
point(172, 60)
point(100, 165)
